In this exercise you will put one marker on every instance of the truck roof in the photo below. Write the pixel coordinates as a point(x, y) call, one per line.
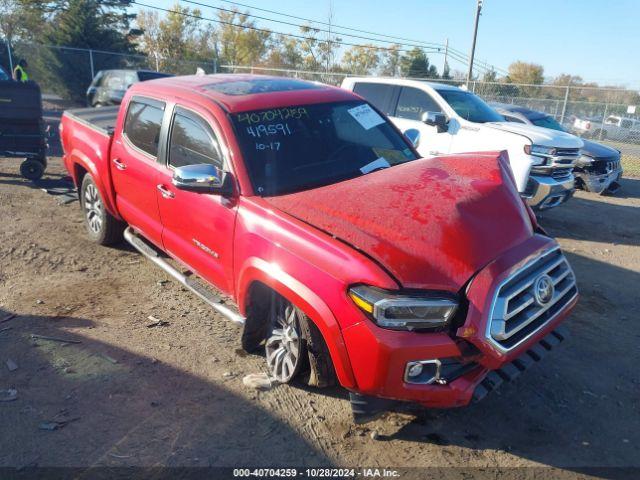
point(241, 92)
point(408, 82)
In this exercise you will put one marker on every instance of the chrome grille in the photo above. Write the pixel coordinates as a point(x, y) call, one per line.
point(565, 157)
point(561, 173)
point(518, 310)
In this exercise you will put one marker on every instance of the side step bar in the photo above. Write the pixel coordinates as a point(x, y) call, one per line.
point(202, 292)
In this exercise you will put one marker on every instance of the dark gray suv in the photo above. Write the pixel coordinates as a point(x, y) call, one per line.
point(108, 86)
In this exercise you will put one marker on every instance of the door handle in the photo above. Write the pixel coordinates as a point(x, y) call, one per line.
point(165, 192)
point(119, 165)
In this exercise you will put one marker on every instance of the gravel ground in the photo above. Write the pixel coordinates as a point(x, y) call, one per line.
point(132, 395)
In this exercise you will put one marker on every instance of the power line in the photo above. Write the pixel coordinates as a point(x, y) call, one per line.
point(264, 30)
point(453, 54)
point(461, 54)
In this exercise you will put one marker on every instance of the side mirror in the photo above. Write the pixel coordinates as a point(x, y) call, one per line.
point(413, 135)
point(438, 120)
point(203, 178)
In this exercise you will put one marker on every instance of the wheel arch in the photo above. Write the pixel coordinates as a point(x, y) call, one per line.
point(81, 166)
point(258, 272)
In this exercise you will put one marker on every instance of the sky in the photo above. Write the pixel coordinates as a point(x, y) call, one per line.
point(597, 40)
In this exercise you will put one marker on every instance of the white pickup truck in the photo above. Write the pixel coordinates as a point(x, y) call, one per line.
point(443, 119)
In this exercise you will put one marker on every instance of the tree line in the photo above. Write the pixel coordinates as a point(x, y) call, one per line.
point(182, 38)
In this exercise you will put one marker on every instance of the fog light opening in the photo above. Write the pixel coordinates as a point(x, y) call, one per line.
point(423, 371)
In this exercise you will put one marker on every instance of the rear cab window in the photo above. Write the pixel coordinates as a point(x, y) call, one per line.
point(380, 95)
point(302, 147)
point(143, 123)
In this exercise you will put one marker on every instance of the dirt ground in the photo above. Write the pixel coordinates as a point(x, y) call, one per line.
point(173, 395)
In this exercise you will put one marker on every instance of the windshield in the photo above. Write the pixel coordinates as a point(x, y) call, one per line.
point(470, 106)
point(298, 148)
point(547, 122)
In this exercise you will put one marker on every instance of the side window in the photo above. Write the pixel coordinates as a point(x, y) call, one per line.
point(413, 103)
point(509, 118)
point(115, 81)
point(378, 94)
point(143, 122)
point(99, 78)
point(192, 141)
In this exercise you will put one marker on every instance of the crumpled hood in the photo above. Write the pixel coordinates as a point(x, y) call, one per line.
point(431, 223)
point(599, 150)
point(539, 135)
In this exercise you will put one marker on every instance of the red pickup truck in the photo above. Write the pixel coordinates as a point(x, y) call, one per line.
point(302, 213)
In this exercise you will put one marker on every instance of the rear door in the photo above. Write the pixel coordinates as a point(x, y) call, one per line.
point(134, 166)
point(412, 103)
point(197, 227)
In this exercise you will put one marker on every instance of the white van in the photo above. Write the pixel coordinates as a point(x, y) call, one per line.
point(442, 119)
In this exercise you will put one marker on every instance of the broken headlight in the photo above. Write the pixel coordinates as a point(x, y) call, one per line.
point(404, 311)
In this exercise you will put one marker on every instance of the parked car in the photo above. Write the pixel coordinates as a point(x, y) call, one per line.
point(613, 128)
point(445, 119)
point(23, 131)
point(598, 169)
point(345, 255)
point(108, 86)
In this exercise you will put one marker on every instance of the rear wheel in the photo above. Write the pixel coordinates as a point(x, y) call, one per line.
point(32, 169)
point(102, 227)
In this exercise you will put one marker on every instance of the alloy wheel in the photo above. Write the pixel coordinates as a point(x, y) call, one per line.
point(94, 210)
point(284, 347)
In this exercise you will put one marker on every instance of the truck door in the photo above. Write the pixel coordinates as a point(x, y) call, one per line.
point(135, 167)
point(412, 103)
point(197, 227)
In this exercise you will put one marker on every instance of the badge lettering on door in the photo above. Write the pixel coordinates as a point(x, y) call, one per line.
point(204, 248)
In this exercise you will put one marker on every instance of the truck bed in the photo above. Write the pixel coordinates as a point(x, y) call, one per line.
point(102, 119)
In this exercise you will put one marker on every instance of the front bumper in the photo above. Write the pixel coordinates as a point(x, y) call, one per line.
point(473, 387)
point(544, 192)
point(380, 358)
point(597, 183)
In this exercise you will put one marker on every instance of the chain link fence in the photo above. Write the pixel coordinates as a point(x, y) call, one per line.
point(591, 112)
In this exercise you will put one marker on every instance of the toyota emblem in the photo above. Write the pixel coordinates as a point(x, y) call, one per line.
point(543, 290)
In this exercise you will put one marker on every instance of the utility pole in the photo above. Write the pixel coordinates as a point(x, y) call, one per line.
point(473, 44)
point(10, 58)
point(446, 54)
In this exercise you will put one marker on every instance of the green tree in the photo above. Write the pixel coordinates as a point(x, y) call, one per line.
point(318, 53)
point(87, 24)
point(390, 60)
point(285, 53)
point(416, 64)
point(490, 76)
point(446, 72)
point(176, 42)
point(529, 73)
point(236, 42)
point(361, 60)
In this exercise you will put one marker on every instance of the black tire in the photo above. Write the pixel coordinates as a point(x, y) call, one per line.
point(102, 227)
point(320, 372)
point(32, 169)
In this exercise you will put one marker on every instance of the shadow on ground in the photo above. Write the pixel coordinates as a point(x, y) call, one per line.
point(116, 408)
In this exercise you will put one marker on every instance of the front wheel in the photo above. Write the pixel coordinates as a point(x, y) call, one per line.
point(284, 347)
point(102, 227)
